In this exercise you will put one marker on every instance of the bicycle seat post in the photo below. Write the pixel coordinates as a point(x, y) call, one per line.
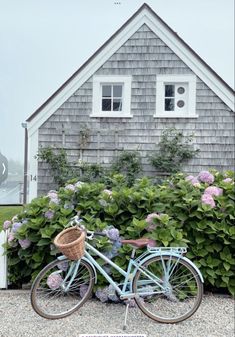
point(133, 252)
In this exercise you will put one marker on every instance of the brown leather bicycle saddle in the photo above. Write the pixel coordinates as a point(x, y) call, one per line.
point(140, 243)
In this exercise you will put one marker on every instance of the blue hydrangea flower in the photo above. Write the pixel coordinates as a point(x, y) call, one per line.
point(16, 226)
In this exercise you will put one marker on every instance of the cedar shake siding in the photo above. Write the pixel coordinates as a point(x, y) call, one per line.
point(143, 57)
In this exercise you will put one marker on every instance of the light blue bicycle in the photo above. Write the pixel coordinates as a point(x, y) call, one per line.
point(166, 286)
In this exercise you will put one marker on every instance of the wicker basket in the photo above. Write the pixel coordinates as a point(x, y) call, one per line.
point(71, 242)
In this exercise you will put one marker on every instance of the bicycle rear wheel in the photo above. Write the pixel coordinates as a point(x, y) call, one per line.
point(52, 298)
point(173, 295)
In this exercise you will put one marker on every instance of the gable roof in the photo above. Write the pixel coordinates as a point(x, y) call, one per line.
point(144, 15)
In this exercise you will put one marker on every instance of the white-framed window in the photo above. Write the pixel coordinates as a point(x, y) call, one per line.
point(176, 96)
point(111, 96)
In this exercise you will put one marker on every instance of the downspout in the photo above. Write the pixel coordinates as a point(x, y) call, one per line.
point(24, 125)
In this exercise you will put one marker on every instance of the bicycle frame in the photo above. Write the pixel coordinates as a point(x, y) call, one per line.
point(133, 266)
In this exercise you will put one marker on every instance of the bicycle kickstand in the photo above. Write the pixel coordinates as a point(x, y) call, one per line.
point(126, 313)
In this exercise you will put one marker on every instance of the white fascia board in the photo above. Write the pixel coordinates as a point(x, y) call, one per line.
point(190, 60)
point(144, 17)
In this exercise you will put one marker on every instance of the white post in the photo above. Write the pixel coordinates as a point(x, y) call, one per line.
point(3, 262)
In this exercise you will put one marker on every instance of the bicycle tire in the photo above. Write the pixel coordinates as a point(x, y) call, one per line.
point(47, 296)
point(162, 305)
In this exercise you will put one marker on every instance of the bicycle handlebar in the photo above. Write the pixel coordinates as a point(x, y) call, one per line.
point(78, 223)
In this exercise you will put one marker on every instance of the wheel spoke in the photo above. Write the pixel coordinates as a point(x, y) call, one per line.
point(182, 289)
point(52, 295)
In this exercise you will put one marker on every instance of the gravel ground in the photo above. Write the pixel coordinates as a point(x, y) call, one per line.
point(214, 318)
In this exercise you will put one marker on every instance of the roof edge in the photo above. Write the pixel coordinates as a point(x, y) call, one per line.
point(144, 6)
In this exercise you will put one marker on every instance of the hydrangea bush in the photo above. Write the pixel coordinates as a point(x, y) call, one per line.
point(193, 211)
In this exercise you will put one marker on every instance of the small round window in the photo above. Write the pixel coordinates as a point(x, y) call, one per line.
point(180, 104)
point(181, 90)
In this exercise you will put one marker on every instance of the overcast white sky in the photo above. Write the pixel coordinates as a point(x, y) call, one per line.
point(43, 42)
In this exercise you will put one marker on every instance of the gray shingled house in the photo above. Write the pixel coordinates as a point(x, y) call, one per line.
point(144, 79)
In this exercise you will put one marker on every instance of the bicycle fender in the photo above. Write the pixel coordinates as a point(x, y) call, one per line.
point(195, 267)
point(175, 255)
point(63, 257)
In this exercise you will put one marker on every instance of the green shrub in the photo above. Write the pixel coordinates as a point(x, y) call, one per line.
point(180, 212)
point(129, 164)
point(174, 149)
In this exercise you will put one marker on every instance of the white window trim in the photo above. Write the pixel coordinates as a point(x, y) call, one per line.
point(160, 96)
point(97, 96)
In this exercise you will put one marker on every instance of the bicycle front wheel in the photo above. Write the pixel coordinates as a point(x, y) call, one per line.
point(169, 289)
point(61, 288)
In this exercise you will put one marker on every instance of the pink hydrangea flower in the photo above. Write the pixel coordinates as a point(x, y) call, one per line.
point(214, 191)
point(228, 180)
point(189, 178)
point(152, 216)
point(208, 200)
point(54, 281)
point(6, 225)
point(25, 243)
point(11, 240)
point(151, 227)
point(206, 177)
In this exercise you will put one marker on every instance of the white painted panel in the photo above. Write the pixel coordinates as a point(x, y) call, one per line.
point(3, 262)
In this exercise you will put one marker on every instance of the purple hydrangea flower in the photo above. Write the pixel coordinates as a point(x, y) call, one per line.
point(6, 225)
point(16, 226)
point(53, 195)
point(49, 214)
point(83, 290)
point(54, 281)
point(102, 294)
point(25, 243)
point(208, 200)
point(228, 180)
point(63, 265)
point(214, 191)
point(70, 187)
point(206, 177)
point(112, 233)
